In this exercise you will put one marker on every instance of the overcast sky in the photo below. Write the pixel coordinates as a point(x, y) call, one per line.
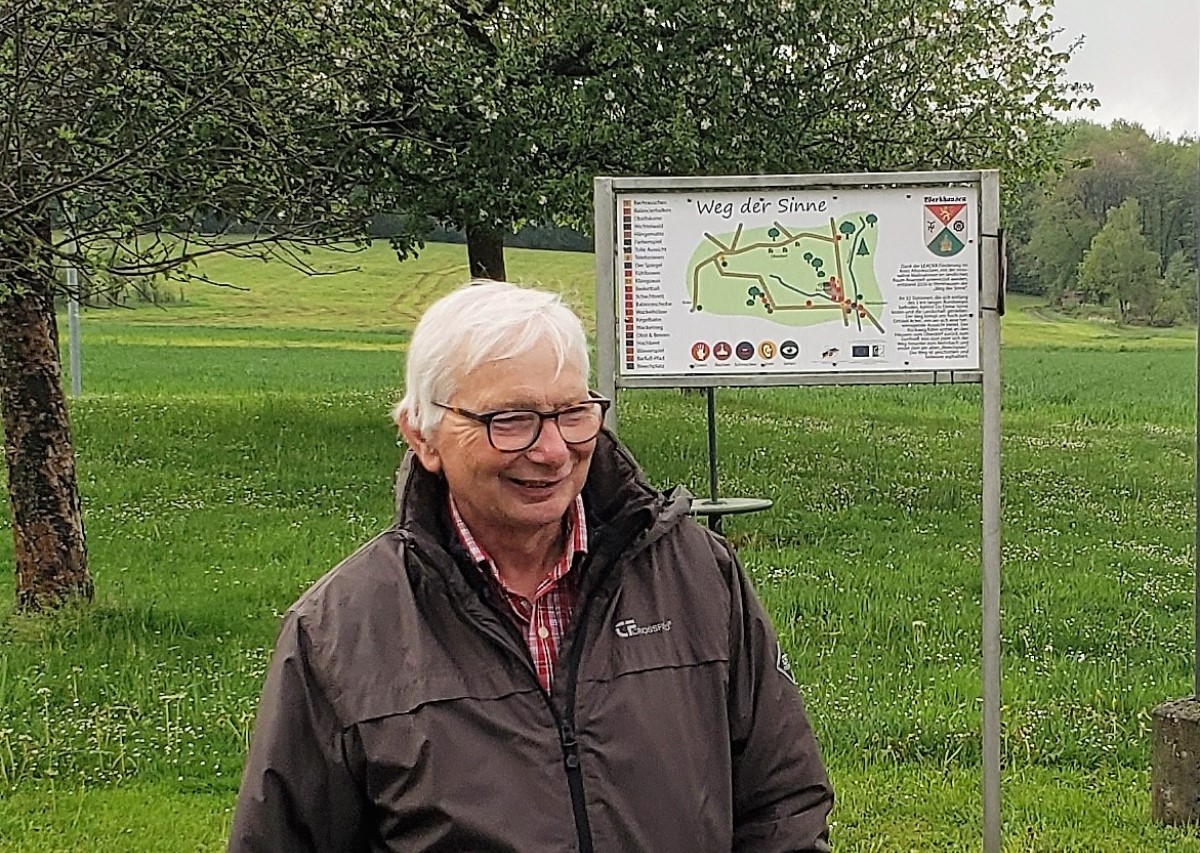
point(1142, 56)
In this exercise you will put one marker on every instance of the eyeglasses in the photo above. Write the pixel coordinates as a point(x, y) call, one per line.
point(514, 430)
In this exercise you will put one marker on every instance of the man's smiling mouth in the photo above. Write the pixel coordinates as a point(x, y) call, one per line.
point(535, 484)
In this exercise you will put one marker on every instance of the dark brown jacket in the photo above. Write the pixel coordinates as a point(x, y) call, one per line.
point(402, 713)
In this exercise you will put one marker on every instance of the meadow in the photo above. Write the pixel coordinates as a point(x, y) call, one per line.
point(234, 447)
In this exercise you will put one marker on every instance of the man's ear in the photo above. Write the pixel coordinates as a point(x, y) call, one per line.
point(425, 451)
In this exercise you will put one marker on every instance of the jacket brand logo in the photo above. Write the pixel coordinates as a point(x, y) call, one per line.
point(627, 628)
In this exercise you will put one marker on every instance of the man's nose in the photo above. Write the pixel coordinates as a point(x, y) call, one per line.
point(550, 446)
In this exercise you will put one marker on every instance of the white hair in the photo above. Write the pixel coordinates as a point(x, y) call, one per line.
point(482, 321)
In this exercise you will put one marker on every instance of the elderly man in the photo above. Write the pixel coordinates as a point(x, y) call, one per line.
point(544, 653)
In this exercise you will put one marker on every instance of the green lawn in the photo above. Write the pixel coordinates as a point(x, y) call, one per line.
point(234, 447)
point(361, 291)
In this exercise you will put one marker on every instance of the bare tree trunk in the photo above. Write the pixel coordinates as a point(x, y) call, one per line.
point(51, 554)
point(485, 252)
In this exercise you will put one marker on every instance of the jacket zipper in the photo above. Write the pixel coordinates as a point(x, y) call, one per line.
point(570, 748)
point(570, 745)
point(565, 722)
point(564, 718)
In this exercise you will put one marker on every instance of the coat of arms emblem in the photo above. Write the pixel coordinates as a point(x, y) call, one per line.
point(946, 228)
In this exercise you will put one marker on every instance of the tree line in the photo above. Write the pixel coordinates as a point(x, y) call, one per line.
point(124, 126)
point(1111, 229)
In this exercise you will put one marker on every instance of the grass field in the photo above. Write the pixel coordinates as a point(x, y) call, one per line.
point(234, 447)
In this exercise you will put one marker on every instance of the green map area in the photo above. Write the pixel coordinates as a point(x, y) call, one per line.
point(795, 275)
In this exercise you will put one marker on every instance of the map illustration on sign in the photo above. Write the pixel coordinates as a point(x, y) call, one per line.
point(845, 279)
point(797, 276)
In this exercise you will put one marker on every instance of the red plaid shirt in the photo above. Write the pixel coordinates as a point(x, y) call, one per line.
point(542, 619)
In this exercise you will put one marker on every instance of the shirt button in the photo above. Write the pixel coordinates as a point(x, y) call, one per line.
point(543, 632)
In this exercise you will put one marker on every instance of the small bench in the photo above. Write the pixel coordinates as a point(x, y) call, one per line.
point(714, 509)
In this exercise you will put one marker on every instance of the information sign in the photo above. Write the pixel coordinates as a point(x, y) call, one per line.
point(813, 280)
point(725, 283)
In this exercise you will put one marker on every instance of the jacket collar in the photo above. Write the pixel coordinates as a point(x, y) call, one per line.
point(620, 503)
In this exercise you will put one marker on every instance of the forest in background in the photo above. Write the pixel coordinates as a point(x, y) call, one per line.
point(1110, 232)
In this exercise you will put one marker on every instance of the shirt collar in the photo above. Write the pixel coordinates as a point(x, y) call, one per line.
point(576, 540)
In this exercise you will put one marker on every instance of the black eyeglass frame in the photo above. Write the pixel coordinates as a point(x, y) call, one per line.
point(486, 419)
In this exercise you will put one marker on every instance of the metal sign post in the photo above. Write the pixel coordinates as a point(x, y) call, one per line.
point(711, 406)
point(991, 307)
point(1196, 550)
point(76, 355)
point(73, 347)
point(714, 507)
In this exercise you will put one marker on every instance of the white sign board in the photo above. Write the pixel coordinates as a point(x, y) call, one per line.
point(808, 280)
point(728, 282)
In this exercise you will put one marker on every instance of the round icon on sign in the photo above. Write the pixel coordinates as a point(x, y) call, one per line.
point(722, 350)
point(789, 349)
point(700, 351)
point(766, 350)
point(745, 350)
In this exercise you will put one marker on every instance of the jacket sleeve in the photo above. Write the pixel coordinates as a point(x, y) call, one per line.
point(781, 793)
point(297, 793)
